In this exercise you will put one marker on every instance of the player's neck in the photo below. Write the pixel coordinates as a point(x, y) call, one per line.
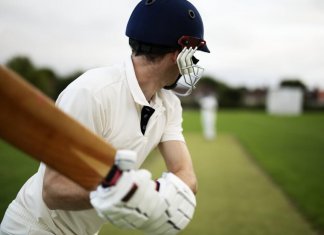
point(151, 76)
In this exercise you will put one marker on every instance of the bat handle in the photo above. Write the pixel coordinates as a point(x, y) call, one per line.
point(124, 160)
point(113, 176)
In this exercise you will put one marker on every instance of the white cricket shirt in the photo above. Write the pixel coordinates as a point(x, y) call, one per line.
point(108, 101)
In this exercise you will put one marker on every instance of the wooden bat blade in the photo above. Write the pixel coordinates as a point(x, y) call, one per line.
point(30, 121)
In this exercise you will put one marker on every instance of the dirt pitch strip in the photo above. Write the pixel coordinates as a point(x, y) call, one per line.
point(235, 196)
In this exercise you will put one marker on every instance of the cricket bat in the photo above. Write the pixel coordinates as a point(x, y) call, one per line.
point(30, 121)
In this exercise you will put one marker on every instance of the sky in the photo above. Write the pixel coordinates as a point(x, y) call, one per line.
point(253, 43)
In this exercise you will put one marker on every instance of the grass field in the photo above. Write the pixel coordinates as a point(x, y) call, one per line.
point(235, 196)
point(15, 168)
point(289, 149)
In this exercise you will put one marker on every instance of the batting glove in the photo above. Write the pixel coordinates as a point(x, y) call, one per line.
point(181, 206)
point(130, 198)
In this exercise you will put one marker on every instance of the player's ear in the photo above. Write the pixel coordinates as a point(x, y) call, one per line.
point(175, 56)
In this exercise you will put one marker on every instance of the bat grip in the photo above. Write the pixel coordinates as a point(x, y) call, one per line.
point(113, 176)
point(111, 179)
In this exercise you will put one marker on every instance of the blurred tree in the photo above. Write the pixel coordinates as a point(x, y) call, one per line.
point(226, 95)
point(44, 79)
point(23, 66)
point(293, 83)
point(296, 83)
point(231, 98)
point(63, 82)
point(207, 84)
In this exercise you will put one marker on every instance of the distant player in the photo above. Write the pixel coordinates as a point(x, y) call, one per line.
point(208, 115)
point(132, 106)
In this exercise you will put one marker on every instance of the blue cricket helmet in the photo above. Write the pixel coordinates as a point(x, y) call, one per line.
point(165, 22)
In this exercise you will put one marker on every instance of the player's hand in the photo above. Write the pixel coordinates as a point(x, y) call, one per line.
point(131, 199)
point(181, 206)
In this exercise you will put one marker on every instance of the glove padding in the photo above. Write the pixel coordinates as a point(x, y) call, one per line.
point(132, 200)
point(181, 206)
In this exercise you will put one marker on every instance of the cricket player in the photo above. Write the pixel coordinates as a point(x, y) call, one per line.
point(208, 115)
point(132, 106)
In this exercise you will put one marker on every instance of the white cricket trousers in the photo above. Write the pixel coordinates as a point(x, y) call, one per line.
point(208, 118)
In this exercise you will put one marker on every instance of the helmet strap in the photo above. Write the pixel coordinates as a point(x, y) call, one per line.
point(172, 86)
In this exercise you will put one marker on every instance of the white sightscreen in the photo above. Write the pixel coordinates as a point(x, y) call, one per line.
point(285, 101)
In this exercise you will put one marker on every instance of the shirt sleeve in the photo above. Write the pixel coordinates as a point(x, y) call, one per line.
point(83, 106)
point(173, 129)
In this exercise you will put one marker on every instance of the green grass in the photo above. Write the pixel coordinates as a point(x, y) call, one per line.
point(289, 149)
point(15, 169)
point(234, 197)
